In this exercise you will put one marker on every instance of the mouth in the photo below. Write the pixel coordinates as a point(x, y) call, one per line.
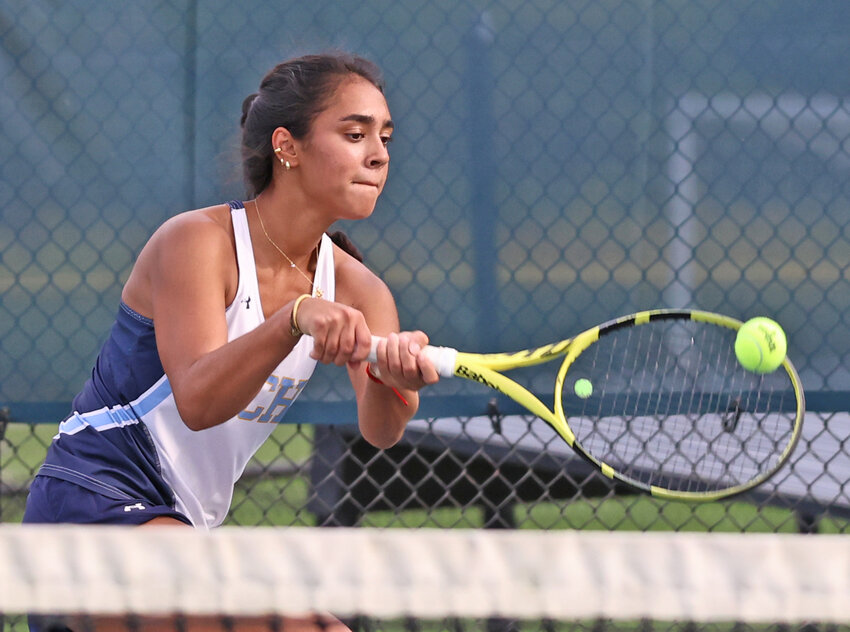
point(366, 183)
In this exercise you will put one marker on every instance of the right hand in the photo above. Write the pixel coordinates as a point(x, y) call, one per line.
point(340, 333)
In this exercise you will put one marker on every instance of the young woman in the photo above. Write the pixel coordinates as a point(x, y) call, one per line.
point(228, 309)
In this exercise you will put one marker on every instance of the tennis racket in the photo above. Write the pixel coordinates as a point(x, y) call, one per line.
point(672, 412)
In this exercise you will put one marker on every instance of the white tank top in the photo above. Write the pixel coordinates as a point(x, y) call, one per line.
point(201, 467)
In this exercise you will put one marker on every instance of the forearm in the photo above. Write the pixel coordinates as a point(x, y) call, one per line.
point(383, 413)
point(220, 383)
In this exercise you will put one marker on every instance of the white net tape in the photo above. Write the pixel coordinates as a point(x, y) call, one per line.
point(425, 573)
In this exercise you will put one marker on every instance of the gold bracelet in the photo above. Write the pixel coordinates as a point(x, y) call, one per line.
point(293, 322)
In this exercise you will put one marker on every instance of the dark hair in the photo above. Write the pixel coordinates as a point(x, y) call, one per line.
point(291, 95)
point(344, 241)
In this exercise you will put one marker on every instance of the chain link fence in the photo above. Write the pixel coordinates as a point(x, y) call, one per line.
point(556, 164)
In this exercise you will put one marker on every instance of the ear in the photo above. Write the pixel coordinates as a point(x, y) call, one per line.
point(282, 139)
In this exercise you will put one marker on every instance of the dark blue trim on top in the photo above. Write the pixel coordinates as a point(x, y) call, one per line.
point(128, 364)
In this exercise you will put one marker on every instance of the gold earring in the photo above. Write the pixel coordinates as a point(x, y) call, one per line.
point(285, 163)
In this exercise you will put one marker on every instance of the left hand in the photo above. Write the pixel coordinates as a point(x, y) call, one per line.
point(402, 362)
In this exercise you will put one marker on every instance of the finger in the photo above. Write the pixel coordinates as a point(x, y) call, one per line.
point(344, 336)
point(362, 344)
point(421, 337)
point(347, 341)
point(427, 370)
point(338, 356)
point(393, 355)
point(380, 350)
point(344, 343)
point(408, 351)
point(325, 342)
point(333, 334)
point(318, 349)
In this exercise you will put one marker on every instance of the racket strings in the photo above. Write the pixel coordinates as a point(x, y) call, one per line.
point(672, 407)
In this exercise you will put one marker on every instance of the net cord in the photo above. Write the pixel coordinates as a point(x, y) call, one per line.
point(425, 573)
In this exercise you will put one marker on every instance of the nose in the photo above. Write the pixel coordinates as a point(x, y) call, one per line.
point(379, 156)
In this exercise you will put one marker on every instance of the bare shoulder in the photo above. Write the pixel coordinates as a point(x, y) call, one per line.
point(211, 225)
point(197, 238)
point(204, 233)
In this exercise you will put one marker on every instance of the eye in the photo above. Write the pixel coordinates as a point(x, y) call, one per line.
point(355, 136)
point(386, 140)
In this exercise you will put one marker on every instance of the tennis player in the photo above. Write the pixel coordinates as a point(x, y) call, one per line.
point(229, 308)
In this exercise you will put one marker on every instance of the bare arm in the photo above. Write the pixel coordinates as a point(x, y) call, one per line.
point(182, 280)
point(382, 415)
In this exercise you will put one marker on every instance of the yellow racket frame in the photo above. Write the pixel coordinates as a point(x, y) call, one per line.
point(485, 369)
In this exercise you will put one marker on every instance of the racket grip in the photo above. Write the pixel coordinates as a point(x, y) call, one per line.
point(443, 358)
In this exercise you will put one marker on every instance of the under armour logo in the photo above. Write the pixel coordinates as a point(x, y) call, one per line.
point(136, 506)
point(247, 302)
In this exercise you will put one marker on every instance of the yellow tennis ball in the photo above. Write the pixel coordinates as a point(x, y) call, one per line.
point(760, 345)
point(583, 388)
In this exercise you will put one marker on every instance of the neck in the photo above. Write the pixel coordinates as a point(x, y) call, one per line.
point(290, 234)
point(304, 269)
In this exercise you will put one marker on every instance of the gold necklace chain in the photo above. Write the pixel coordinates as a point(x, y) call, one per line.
point(285, 256)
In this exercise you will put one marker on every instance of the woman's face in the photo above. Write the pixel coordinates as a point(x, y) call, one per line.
point(343, 160)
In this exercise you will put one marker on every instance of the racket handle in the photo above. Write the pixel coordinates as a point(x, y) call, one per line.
point(443, 358)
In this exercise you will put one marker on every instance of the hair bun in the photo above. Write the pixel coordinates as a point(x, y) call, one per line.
point(246, 107)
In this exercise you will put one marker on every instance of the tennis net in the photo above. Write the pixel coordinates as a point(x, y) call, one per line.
point(122, 578)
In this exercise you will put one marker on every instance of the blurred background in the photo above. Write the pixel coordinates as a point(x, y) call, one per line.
point(556, 163)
